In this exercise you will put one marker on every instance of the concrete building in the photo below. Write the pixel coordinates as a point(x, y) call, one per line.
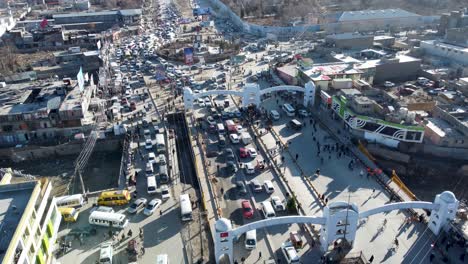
point(384, 40)
point(447, 51)
point(29, 222)
point(106, 19)
point(350, 41)
point(454, 19)
point(43, 112)
point(373, 20)
point(439, 132)
point(66, 63)
point(392, 68)
point(323, 74)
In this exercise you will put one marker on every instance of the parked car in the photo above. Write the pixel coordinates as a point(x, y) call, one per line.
point(256, 185)
point(152, 206)
point(210, 120)
point(240, 186)
point(234, 138)
point(269, 188)
point(252, 152)
point(277, 203)
point(247, 210)
point(137, 205)
point(243, 153)
point(249, 168)
point(229, 154)
point(231, 166)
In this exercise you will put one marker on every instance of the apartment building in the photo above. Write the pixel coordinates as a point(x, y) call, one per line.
point(29, 222)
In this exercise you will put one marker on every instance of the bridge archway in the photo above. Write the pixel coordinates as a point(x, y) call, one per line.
point(339, 221)
point(251, 94)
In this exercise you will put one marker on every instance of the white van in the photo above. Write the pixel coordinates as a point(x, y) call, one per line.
point(75, 200)
point(267, 209)
point(162, 259)
point(289, 110)
point(151, 184)
point(220, 128)
point(251, 239)
point(274, 115)
point(106, 253)
point(149, 171)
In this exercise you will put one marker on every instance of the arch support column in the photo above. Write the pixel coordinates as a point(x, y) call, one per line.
point(341, 222)
point(309, 94)
point(223, 239)
point(444, 211)
point(251, 95)
point(188, 98)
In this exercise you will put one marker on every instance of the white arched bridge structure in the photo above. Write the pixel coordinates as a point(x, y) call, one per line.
point(339, 221)
point(251, 94)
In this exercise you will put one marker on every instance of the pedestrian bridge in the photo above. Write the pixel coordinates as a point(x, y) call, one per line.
point(251, 94)
point(339, 221)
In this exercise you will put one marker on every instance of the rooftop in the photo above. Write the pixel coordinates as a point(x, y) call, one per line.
point(13, 201)
point(348, 35)
point(374, 14)
point(441, 127)
point(29, 98)
point(445, 45)
point(321, 72)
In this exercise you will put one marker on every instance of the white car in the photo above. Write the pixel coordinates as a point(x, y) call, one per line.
point(269, 188)
point(151, 158)
point(152, 206)
point(252, 152)
point(234, 138)
point(165, 193)
point(148, 144)
point(388, 84)
point(249, 168)
point(277, 203)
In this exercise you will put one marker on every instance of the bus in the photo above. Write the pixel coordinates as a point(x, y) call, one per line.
point(185, 207)
point(160, 144)
point(289, 110)
point(69, 214)
point(108, 219)
point(75, 200)
point(111, 198)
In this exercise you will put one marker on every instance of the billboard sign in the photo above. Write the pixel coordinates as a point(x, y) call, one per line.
point(188, 55)
point(201, 11)
point(80, 79)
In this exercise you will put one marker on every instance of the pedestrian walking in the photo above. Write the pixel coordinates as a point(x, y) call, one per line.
point(373, 191)
point(431, 257)
point(371, 259)
point(259, 255)
point(130, 233)
point(142, 250)
point(297, 156)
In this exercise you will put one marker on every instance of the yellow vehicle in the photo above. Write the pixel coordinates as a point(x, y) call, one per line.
point(69, 214)
point(111, 198)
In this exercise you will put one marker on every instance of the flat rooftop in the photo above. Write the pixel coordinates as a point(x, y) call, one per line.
point(13, 201)
point(29, 98)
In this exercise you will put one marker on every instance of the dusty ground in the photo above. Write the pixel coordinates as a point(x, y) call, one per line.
point(60, 170)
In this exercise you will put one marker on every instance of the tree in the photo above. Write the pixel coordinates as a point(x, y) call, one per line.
point(291, 206)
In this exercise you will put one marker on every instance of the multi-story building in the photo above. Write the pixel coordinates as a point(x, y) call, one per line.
point(43, 111)
point(29, 222)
